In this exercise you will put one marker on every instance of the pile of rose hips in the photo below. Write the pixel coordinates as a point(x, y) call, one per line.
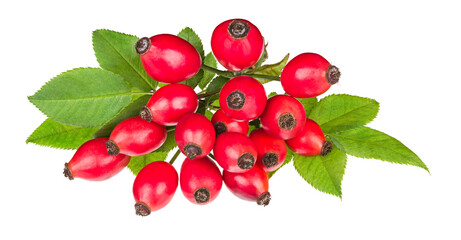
point(237, 45)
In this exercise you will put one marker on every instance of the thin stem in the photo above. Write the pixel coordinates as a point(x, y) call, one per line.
point(204, 95)
point(176, 154)
point(272, 78)
point(232, 74)
point(217, 71)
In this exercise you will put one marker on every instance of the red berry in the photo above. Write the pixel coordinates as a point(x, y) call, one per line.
point(195, 135)
point(237, 44)
point(154, 187)
point(235, 152)
point(271, 151)
point(243, 98)
point(135, 137)
point(168, 58)
point(308, 75)
point(311, 141)
point(200, 180)
point(223, 123)
point(169, 104)
point(91, 162)
point(252, 185)
point(284, 117)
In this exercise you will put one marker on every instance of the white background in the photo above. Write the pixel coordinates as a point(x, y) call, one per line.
point(404, 54)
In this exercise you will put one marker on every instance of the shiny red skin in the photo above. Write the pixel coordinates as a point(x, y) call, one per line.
point(171, 102)
point(237, 54)
point(200, 173)
point(135, 136)
point(229, 147)
point(310, 140)
point(267, 144)
point(276, 106)
point(91, 161)
point(170, 59)
point(305, 76)
point(248, 185)
point(197, 129)
point(231, 124)
point(255, 98)
point(155, 185)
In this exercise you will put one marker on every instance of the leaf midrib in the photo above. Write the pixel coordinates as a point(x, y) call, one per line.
point(84, 98)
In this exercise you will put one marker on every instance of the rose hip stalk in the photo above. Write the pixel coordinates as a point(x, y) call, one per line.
point(271, 151)
point(235, 152)
point(223, 123)
point(195, 135)
point(252, 185)
point(311, 141)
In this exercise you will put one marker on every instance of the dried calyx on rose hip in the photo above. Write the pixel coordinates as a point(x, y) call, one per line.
point(311, 141)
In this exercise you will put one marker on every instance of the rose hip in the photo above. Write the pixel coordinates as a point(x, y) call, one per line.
point(252, 185)
point(195, 135)
point(311, 141)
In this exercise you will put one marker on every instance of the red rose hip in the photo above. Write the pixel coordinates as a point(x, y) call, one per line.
point(223, 123)
point(235, 152)
point(154, 187)
point(200, 180)
point(271, 151)
point(284, 117)
point(91, 162)
point(168, 58)
point(237, 44)
point(243, 98)
point(311, 141)
point(308, 75)
point(135, 137)
point(169, 104)
point(195, 135)
point(252, 185)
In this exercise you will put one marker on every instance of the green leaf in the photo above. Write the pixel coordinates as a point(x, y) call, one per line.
point(263, 58)
point(272, 69)
point(193, 82)
point(139, 162)
point(57, 135)
point(288, 159)
point(169, 144)
point(272, 94)
point(308, 104)
point(324, 173)
point(208, 76)
point(365, 142)
point(189, 35)
point(116, 52)
point(216, 84)
point(85, 97)
point(342, 112)
point(131, 110)
point(209, 114)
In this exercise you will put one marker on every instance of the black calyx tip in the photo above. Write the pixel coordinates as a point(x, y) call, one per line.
point(264, 199)
point(326, 148)
point(220, 127)
point(192, 150)
point(142, 45)
point(141, 209)
point(270, 159)
point(112, 148)
point(202, 195)
point(333, 74)
point(145, 114)
point(246, 161)
point(287, 121)
point(236, 100)
point(238, 29)
point(67, 172)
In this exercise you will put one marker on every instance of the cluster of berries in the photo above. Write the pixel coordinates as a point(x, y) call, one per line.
point(245, 159)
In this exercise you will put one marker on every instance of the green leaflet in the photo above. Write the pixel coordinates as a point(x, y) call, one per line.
point(189, 35)
point(271, 69)
point(139, 162)
point(169, 144)
point(194, 81)
point(308, 104)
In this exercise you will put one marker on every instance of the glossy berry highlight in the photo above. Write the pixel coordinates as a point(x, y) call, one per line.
point(222, 123)
point(195, 135)
point(271, 151)
point(235, 152)
point(252, 185)
point(310, 141)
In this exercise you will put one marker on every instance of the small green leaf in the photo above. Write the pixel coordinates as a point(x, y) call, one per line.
point(208, 114)
point(342, 112)
point(324, 173)
point(208, 76)
point(189, 35)
point(365, 142)
point(129, 111)
point(85, 97)
point(139, 162)
point(216, 84)
point(272, 94)
point(116, 52)
point(169, 144)
point(194, 81)
point(57, 135)
point(288, 159)
point(272, 69)
point(308, 104)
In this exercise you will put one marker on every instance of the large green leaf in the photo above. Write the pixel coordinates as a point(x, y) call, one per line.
point(139, 162)
point(57, 135)
point(207, 76)
point(85, 97)
point(365, 142)
point(189, 35)
point(116, 52)
point(342, 112)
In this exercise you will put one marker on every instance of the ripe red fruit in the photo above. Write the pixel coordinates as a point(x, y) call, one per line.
point(284, 117)
point(271, 151)
point(223, 123)
point(243, 98)
point(195, 135)
point(235, 152)
point(91, 162)
point(154, 187)
point(308, 75)
point(169, 104)
point(310, 141)
point(168, 58)
point(200, 180)
point(252, 185)
point(135, 137)
point(237, 44)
